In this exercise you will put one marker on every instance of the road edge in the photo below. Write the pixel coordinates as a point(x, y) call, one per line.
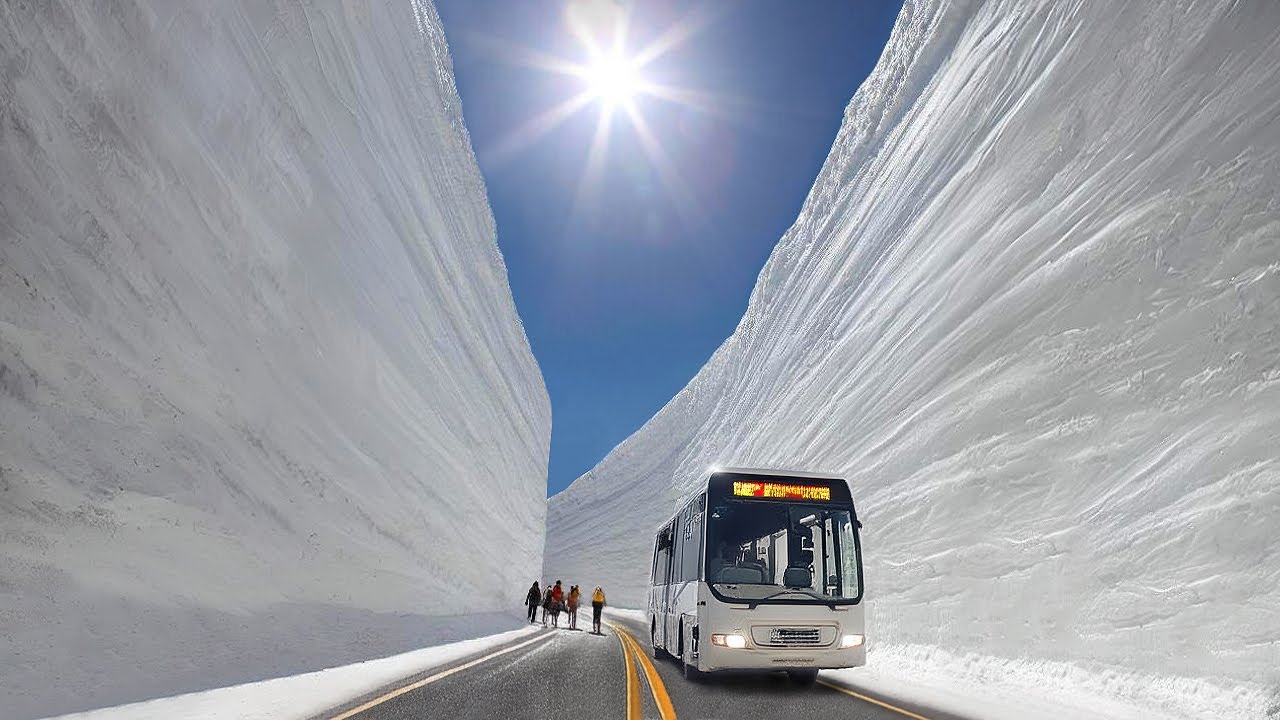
point(406, 683)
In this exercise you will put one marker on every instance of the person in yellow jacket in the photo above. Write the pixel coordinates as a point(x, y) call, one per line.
point(597, 607)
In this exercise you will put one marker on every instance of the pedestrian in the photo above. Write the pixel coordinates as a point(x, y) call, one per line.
point(573, 607)
point(557, 604)
point(532, 598)
point(546, 606)
point(597, 607)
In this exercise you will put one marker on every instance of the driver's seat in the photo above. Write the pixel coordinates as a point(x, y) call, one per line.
point(734, 574)
point(797, 577)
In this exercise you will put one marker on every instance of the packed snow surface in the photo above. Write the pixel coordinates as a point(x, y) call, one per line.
point(301, 697)
point(265, 402)
point(1031, 309)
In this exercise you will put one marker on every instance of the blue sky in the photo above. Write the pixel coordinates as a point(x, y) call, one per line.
point(630, 273)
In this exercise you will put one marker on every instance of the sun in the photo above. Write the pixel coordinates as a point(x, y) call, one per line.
point(613, 79)
point(616, 77)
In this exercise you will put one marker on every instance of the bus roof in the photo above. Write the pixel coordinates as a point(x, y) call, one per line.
point(778, 472)
point(705, 477)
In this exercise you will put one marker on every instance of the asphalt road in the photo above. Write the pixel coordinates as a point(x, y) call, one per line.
point(575, 674)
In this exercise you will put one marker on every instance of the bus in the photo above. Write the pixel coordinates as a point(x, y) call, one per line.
point(760, 570)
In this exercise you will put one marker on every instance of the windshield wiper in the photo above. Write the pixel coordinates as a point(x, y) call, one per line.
point(828, 601)
point(790, 591)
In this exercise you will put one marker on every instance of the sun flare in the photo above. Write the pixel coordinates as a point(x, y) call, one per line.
point(613, 79)
point(616, 77)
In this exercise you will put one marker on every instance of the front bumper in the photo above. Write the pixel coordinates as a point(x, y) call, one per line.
point(755, 657)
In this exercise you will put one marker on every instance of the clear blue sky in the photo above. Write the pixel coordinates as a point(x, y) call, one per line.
point(629, 280)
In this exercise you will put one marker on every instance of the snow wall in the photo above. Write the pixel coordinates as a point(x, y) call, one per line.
point(1031, 309)
point(265, 402)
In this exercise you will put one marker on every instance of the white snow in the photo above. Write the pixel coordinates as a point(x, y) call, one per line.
point(1030, 309)
point(991, 688)
point(627, 613)
point(265, 402)
point(302, 696)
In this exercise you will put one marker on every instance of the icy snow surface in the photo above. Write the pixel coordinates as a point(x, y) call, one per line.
point(1031, 309)
point(265, 402)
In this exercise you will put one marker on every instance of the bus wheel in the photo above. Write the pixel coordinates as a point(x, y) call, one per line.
point(653, 642)
point(803, 678)
point(692, 673)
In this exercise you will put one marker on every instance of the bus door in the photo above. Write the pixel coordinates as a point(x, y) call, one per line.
point(670, 616)
point(661, 581)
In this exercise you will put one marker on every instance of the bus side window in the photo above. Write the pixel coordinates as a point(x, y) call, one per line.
point(677, 548)
point(662, 556)
point(653, 574)
point(693, 544)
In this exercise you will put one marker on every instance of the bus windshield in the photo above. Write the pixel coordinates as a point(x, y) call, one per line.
point(785, 552)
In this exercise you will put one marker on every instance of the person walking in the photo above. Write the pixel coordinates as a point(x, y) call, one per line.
point(546, 606)
point(557, 604)
point(597, 607)
point(532, 598)
point(574, 594)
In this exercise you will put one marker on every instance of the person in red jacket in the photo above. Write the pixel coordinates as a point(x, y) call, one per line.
point(557, 603)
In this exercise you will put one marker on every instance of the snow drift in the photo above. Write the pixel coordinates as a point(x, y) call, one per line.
point(265, 402)
point(1031, 309)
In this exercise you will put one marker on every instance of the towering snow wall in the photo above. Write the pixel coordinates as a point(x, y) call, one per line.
point(265, 402)
point(1031, 309)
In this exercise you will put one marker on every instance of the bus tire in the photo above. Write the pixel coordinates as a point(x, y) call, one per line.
point(803, 678)
point(692, 673)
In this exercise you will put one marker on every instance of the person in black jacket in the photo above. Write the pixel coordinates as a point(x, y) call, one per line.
point(532, 599)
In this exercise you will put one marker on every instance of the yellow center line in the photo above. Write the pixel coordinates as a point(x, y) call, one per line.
point(660, 697)
point(872, 700)
point(438, 676)
point(633, 682)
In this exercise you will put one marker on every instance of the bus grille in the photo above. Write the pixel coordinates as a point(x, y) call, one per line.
point(794, 637)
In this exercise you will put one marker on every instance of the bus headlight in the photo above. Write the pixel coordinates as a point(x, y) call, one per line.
point(731, 640)
point(851, 641)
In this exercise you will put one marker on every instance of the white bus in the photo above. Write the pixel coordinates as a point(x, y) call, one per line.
point(760, 569)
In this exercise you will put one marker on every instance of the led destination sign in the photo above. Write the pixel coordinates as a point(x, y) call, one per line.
point(781, 491)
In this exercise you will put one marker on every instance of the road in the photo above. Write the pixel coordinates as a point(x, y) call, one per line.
point(575, 674)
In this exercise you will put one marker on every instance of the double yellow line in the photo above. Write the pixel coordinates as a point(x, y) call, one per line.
point(632, 653)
